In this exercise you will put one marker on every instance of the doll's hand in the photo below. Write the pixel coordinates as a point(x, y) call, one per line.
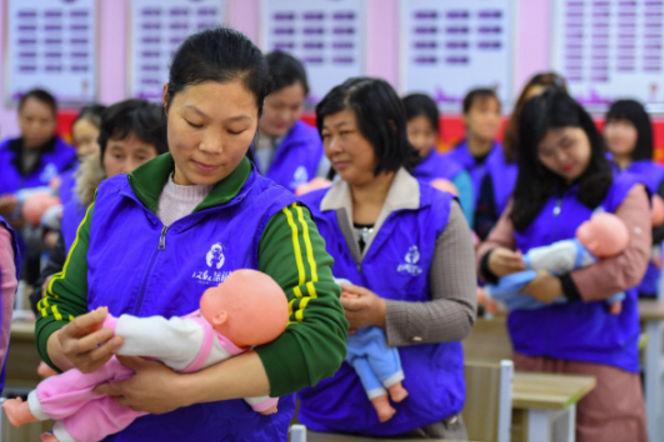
point(86, 344)
point(545, 287)
point(363, 307)
point(503, 261)
point(271, 410)
point(153, 389)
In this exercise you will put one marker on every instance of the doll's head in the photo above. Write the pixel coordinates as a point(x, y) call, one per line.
point(604, 235)
point(249, 308)
point(445, 186)
point(657, 211)
point(315, 184)
point(35, 207)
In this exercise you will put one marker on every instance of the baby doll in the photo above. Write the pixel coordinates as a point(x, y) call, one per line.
point(315, 184)
point(247, 309)
point(603, 236)
point(377, 365)
point(445, 186)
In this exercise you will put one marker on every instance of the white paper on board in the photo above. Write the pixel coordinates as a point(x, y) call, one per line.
point(610, 49)
point(328, 36)
point(450, 47)
point(158, 27)
point(51, 44)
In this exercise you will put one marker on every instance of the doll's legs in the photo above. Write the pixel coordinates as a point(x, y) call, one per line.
point(374, 388)
point(98, 419)
point(385, 363)
point(18, 412)
point(65, 394)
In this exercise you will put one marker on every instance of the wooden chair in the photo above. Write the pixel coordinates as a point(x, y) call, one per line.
point(488, 410)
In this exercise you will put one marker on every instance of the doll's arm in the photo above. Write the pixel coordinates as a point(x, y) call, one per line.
point(560, 257)
point(261, 403)
point(175, 341)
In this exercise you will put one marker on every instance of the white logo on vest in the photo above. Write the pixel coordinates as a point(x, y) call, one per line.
point(50, 171)
point(412, 258)
point(301, 176)
point(214, 259)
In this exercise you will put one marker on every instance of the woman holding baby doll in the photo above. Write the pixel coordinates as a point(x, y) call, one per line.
point(390, 237)
point(564, 177)
point(154, 240)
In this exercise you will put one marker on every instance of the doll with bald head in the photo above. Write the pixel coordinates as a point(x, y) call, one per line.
point(246, 310)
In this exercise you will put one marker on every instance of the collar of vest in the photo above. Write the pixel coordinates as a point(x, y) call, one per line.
point(148, 180)
point(16, 145)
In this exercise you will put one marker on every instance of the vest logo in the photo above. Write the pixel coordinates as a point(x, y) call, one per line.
point(50, 171)
point(215, 260)
point(301, 176)
point(411, 258)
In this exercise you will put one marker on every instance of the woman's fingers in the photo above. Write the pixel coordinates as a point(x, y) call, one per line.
point(92, 361)
point(89, 342)
point(84, 324)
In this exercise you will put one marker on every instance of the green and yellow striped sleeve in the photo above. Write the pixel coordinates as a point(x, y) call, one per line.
point(314, 344)
point(67, 293)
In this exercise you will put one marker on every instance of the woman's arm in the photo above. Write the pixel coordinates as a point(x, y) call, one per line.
point(658, 232)
point(8, 285)
point(609, 276)
point(450, 315)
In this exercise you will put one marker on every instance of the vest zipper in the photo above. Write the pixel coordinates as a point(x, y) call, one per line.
point(160, 247)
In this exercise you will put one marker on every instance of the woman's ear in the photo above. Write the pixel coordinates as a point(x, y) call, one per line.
point(164, 97)
point(393, 125)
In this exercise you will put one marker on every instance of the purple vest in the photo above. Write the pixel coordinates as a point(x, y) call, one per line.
point(296, 160)
point(138, 268)
point(577, 331)
point(68, 185)
point(52, 163)
point(460, 154)
point(396, 267)
point(72, 216)
point(503, 176)
point(650, 174)
point(17, 265)
point(435, 166)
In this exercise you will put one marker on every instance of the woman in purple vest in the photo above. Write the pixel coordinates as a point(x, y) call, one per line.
point(36, 157)
point(628, 136)
point(288, 151)
point(391, 237)
point(564, 176)
point(142, 249)
point(423, 126)
point(498, 183)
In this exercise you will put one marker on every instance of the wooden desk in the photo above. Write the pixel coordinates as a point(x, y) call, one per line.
point(651, 313)
point(22, 359)
point(313, 436)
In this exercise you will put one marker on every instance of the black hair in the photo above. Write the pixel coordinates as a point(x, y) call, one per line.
point(137, 117)
point(478, 94)
point(39, 95)
point(92, 114)
point(381, 119)
point(221, 55)
point(535, 184)
point(286, 70)
point(635, 113)
point(421, 105)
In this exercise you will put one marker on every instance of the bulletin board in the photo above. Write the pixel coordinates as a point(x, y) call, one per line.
point(157, 29)
point(450, 47)
point(51, 44)
point(610, 49)
point(328, 36)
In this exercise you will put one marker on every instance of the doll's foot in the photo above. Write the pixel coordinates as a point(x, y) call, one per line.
point(45, 371)
point(18, 412)
point(48, 437)
point(397, 392)
point(616, 308)
point(383, 408)
point(271, 410)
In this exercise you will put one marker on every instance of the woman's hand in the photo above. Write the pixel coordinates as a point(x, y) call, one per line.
point(504, 262)
point(153, 389)
point(545, 287)
point(362, 307)
point(85, 343)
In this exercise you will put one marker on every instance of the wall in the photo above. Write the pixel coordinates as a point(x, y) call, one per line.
point(382, 59)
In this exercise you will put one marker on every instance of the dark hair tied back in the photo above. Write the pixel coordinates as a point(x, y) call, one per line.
point(220, 55)
point(552, 110)
point(635, 113)
point(380, 116)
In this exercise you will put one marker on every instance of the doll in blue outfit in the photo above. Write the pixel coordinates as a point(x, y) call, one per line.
point(377, 365)
point(603, 236)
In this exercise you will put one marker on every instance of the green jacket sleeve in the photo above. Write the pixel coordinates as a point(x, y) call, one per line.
point(67, 293)
point(313, 345)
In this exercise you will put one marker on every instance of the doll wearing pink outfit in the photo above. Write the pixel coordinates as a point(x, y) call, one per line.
point(225, 326)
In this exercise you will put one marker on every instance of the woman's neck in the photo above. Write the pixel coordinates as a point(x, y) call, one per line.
point(369, 198)
point(479, 147)
point(623, 161)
